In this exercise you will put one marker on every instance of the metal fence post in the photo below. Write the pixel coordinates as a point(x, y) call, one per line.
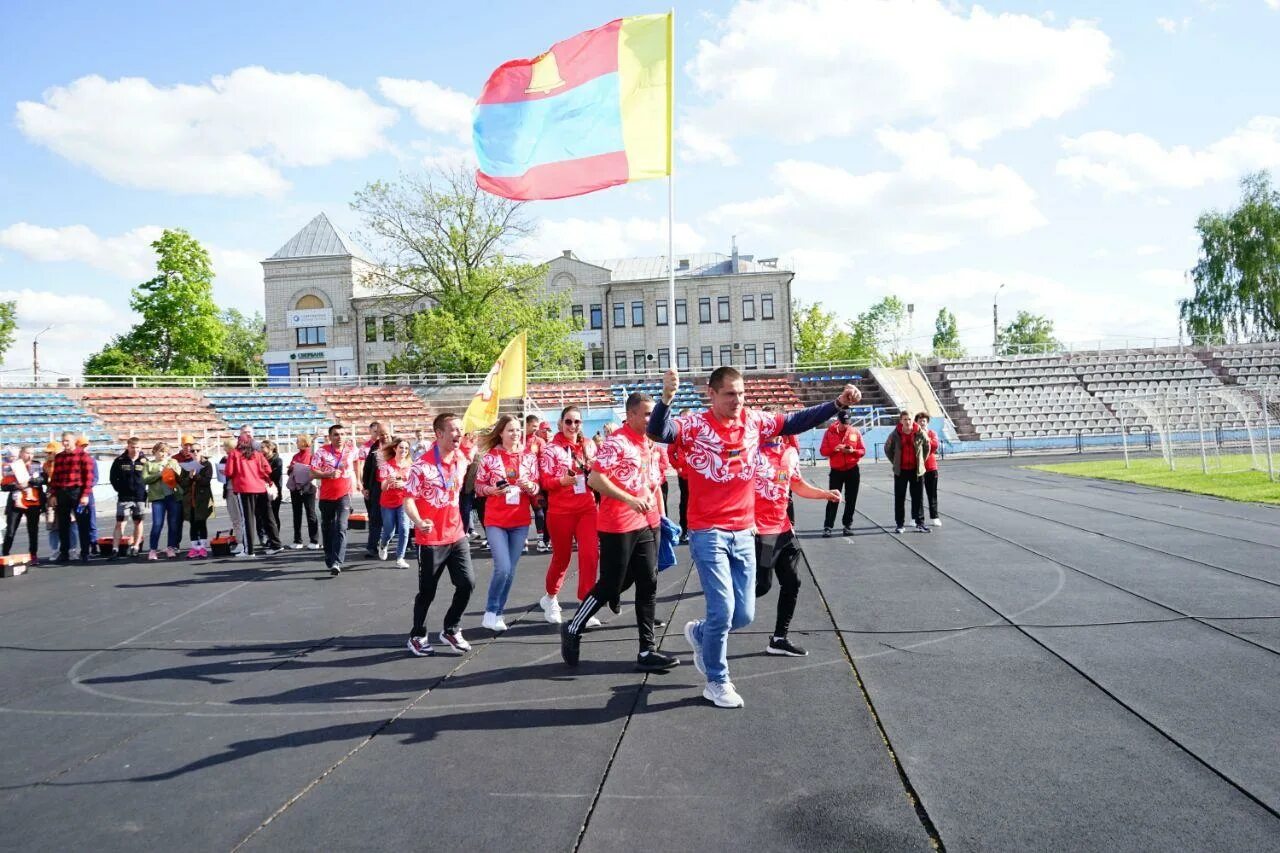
point(1266, 426)
point(1124, 442)
point(1204, 455)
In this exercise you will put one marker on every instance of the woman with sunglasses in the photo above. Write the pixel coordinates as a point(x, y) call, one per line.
point(508, 480)
point(393, 474)
point(571, 510)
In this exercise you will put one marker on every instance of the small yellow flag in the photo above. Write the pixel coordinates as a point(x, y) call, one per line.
point(507, 378)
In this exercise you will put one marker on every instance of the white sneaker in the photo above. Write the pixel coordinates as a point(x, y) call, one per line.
point(382, 552)
point(493, 622)
point(455, 640)
point(402, 563)
point(593, 622)
point(937, 522)
point(698, 662)
point(722, 694)
point(420, 647)
point(551, 609)
point(543, 547)
point(298, 546)
point(243, 555)
point(314, 546)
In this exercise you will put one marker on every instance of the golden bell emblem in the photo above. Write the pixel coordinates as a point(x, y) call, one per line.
point(546, 75)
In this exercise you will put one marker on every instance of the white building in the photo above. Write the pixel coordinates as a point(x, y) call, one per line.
point(323, 320)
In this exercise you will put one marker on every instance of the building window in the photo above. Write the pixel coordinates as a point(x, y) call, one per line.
point(682, 312)
point(770, 355)
point(660, 312)
point(619, 315)
point(620, 361)
point(597, 317)
point(576, 314)
point(704, 309)
point(726, 354)
point(748, 307)
point(722, 308)
point(637, 313)
point(370, 330)
point(388, 328)
point(637, 360)
point(311, 336)
point(707, 357)
point(310, 300)
point(682, 358)
point(597, 361)
point(664, 358)
point(749, 355)
point(373, 370)
point(766, 306)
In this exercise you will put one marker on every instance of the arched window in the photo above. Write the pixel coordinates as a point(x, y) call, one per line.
point(310, 301)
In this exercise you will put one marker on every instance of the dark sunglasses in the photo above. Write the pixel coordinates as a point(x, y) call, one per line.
point(566, 420)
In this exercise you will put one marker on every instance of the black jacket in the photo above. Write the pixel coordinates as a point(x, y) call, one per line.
point(126, 477)
point(369, 474)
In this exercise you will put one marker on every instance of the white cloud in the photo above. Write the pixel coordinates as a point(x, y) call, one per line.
point(698, 144)
point(129, 257)
point(1274, 4)
point(801, 70)
point(601, 239)
point(1134, 162)
point(933, 201)
point(1173, 26)
point(81, 326)
point(1148, 250)
point(436, 108)
point(230, 136)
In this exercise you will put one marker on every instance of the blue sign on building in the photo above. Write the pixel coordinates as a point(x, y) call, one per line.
point(278, 375)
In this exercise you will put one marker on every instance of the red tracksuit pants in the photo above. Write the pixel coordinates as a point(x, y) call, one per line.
point(564, 529)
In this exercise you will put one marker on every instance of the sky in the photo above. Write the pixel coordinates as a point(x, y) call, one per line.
point(929, 150)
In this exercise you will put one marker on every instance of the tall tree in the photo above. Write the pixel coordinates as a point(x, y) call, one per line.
point(8, 325)
point(876, 334)
point(243, 346)
point(1028, 333)
point(1237, 279)
point(946, 336)
point(818, 336)
point(180, 332)
point(449, 243)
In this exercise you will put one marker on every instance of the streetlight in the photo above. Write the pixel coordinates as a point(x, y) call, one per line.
point(995, 321)
point(35, 354)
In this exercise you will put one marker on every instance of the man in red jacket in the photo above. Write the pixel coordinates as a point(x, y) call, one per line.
point(842, 444)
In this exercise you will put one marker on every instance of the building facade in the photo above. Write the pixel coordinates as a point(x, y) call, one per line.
point(324, 324)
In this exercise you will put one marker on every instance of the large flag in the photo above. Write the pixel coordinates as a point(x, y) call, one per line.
point(592, 112)
point(507, 378)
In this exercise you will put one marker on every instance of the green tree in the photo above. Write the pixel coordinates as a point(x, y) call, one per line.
point(8, 325)
point(876, 334)
point(243, 346)
point(1237, 279)
point(818, 336)
point(180, 331)
point(1028, 333)
point(448, 246)
point(946, 336)
point(114, 360)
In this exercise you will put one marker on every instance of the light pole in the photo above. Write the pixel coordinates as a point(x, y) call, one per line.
point(995, 321)
point(35, 354)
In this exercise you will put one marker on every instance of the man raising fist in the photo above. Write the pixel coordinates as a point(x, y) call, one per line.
point(720, 449)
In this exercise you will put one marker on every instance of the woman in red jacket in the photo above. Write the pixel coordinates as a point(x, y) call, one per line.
point(508, 480)
point(930, 469)
point(842, 444)
point(571, 510)
point(249, 473)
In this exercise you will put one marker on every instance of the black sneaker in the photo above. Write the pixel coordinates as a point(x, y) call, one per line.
point(569, 645)
point(655, 661)
point(848, 531)
point(783, 646)
point(898, 529)
point(923, 528)
point(615, 605)
point(659, 623)
point(826, 533)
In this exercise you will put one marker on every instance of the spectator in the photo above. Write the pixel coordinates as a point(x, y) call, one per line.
point(92, 509)
point(371, 487)
point(195, 493)
point(842, 444)
point(508, 479)
point(393, 473)
point(571, 511)
point(229, 496)
point(161, 474)
point(906, 448)
point(333, 464)
point(131, 497)
point(471, 501)
point(249, 473)
point(71, 485)
point(930, 469)
point(51, 450)
point(302, 495)
point(25, 500)
point(272, 452)
point(534, 443)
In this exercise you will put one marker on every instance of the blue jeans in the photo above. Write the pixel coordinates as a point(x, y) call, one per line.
point(395, 521)
point(726, 563)
point(166, 509)
point(506, 544)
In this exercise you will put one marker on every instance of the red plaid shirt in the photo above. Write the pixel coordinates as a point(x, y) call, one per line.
point(72, 469)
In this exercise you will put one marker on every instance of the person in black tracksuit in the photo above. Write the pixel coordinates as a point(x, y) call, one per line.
point(372, 487)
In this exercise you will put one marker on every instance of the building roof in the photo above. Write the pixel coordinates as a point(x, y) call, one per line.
point(320, 238)
point(696, 264)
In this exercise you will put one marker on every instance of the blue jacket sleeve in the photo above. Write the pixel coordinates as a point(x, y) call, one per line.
point(661, 428)
point(801, 421)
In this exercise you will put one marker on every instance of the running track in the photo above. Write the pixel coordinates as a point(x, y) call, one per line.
point(1067, 664)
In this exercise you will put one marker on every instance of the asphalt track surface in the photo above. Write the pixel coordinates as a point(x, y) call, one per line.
point(1065, 665)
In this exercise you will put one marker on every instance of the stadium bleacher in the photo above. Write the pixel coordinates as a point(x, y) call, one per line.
point(37, 417)
point(590, 394)
point(1118, 376)
point(153, 414)
point(282, 414)
point(688, 396)
point(1255, 366)
point(394, 406)
point(772, 391)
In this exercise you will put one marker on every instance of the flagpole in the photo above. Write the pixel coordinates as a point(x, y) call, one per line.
point(671, 183)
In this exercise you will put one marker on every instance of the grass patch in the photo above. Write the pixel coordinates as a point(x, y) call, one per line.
point(1237, 485)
